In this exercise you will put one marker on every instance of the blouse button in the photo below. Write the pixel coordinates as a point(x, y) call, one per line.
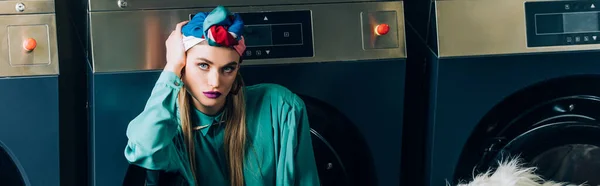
point(176, 83)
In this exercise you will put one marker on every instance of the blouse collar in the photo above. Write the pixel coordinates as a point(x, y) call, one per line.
point(205, 122)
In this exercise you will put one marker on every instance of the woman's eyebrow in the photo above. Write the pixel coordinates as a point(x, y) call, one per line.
point(204, 59)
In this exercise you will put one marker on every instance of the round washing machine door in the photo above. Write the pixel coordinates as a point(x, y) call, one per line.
point(341, 152)
point(9, 171)
point(560, 137)
point(562, 151)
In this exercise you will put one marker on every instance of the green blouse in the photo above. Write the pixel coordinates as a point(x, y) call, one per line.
point(279, 150)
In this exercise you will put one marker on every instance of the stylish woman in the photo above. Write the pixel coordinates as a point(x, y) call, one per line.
point(203, 123)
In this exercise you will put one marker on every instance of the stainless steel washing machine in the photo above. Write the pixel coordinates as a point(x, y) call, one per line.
point(508, 79)
point(351, 79)
point(29, 122)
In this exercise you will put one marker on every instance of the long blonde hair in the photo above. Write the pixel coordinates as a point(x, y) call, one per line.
point(235, 130)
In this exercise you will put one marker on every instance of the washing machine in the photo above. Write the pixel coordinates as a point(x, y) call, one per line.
point(508, 79)
point(326, 51)
point(29, 117)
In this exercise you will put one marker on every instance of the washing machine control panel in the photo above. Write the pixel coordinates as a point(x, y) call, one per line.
point(560, 23)
point(283, 34)
point(278, 34)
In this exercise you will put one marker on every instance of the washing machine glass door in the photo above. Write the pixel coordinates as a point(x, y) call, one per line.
point(9, 172)
point(567, 151)
point(341, 152)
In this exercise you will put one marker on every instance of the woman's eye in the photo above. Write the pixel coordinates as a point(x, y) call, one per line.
point(228, 69)
point(203, 66)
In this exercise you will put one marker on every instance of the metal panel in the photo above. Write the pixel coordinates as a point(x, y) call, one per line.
point(20, 35)
point(134, 40)
point(373, 40)
point(29, 127)
point(14, 60)
point(484, 27)
point(26, 6)
point(108, 5)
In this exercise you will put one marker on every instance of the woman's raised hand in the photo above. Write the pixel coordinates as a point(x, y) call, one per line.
point(175, 50)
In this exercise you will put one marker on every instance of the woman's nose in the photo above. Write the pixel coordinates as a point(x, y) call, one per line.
point(213, 79)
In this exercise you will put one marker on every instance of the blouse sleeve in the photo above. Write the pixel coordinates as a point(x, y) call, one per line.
point(296, 162)
point(150, 134)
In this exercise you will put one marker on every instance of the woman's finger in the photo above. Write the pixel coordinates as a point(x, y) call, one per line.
point(179, 25)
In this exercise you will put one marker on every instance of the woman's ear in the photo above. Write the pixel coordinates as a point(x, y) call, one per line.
point(182, 73)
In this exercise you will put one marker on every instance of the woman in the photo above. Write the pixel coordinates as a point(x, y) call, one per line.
point(209, 127)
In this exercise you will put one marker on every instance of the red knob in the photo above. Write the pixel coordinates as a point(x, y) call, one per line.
point(382, 29)
point(29, 44)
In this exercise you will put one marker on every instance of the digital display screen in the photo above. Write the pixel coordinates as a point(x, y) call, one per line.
point(273, 35)
point(580, 22)
point(560, 23)
point(258, 35)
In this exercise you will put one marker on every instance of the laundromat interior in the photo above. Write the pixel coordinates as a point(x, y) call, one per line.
point(394, 93)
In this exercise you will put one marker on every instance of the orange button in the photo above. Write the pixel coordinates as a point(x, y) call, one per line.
point(29, 44)
point(382, 29)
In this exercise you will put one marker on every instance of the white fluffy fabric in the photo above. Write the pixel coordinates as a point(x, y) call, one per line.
point(511, 173)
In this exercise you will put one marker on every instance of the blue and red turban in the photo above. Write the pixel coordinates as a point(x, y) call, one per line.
point(219, 27)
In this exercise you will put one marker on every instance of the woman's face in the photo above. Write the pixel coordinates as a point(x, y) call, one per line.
point(209, 75)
